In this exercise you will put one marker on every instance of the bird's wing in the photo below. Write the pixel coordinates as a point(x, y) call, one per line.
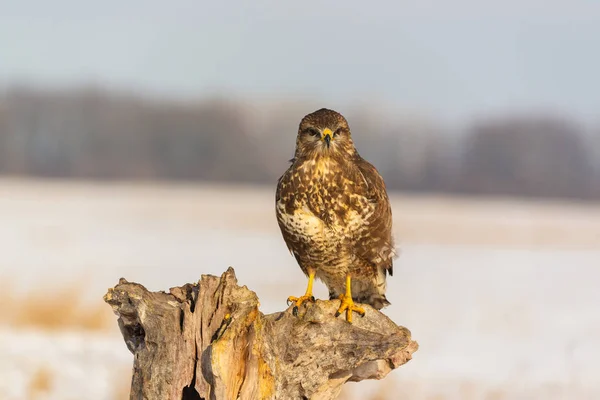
point(283, 202)
point(376, 244)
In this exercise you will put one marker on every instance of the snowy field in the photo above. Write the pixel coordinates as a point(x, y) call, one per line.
point(502, 296)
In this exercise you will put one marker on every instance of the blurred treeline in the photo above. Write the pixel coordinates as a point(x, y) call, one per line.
point(90, 133)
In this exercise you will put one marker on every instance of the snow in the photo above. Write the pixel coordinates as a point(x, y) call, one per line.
point(493, 321)
point(77, 363)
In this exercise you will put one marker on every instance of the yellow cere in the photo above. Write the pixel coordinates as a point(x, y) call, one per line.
point(326, 132)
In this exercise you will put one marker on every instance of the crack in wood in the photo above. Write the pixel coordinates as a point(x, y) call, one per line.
point(183, 354)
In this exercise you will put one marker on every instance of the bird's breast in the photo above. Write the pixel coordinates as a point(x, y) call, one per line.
point(324, 202)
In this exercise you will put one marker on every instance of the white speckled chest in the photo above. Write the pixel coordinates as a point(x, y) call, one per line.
point(321, 212)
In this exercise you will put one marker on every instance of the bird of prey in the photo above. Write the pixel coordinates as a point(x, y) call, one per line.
point(335, 216)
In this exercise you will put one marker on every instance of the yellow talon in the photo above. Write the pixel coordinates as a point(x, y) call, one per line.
point(347, 304)
point(298, 301)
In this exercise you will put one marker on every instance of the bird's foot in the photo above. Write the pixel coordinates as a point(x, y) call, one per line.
point(298, 301)
point(349, 306)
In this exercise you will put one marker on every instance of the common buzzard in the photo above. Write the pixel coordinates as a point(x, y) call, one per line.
point(335, 215)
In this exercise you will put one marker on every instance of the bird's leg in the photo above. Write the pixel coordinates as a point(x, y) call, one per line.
point(307, 296)
point(348, 304)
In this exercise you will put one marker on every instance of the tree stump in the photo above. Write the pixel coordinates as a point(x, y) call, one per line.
point(209, 341)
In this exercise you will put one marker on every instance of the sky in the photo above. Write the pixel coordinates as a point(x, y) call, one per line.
point(451, 59)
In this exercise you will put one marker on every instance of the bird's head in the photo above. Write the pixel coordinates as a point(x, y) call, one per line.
point(324, 133)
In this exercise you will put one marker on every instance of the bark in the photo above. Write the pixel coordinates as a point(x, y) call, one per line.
point(209, 341)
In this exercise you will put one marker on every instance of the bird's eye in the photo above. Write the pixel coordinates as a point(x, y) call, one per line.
point(338, 131)
point(313, 131)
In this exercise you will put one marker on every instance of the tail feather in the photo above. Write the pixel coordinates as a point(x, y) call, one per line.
point(366, 290)
point(375, 300)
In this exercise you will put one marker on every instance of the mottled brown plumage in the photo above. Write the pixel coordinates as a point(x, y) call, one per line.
point(334, 213)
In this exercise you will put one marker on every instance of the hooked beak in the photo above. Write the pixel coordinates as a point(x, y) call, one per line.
point(326, 136)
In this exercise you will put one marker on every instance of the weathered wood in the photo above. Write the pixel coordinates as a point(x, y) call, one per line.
point(209, 341)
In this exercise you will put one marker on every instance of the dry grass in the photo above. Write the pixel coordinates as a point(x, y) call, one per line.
point(41, 383)
point(60, 308)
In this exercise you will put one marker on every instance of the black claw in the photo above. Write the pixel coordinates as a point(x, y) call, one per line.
point(337, 314)
point(362, 315)
point(312, 298)
point(288, 302)
point(295, 311)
